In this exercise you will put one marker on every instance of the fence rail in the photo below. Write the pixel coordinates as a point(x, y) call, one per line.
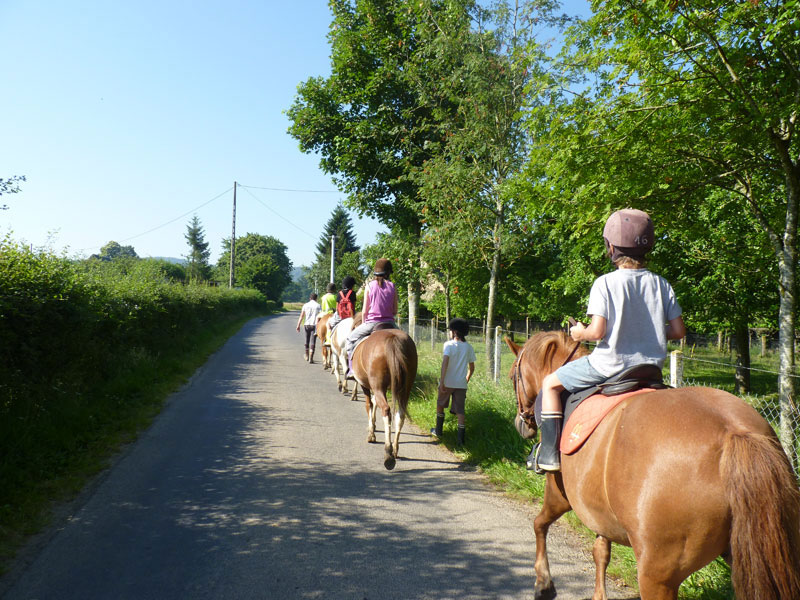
point(496, 359)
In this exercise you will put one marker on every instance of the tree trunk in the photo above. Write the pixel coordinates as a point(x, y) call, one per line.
point(742, 377)
point(494, 274)
point(786, 327)
point(447, 303)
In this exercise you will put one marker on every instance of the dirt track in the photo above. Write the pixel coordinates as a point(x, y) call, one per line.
point(257, 482)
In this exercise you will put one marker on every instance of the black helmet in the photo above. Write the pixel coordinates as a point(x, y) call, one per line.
point(383, 267)
point(348, 282)
point(460, 326)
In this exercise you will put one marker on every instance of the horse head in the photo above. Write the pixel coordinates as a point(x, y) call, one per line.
point(542, 354)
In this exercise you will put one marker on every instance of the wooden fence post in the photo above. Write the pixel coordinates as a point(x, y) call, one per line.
point(497, 331)
point(676, 368)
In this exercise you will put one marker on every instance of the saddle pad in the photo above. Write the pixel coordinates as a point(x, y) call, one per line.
point(587, 416)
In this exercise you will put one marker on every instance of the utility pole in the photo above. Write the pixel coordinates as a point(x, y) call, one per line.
point(233, 238)
point(333, 246)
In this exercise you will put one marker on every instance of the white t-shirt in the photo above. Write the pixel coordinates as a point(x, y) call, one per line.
point(637, 304)
point(460, 355)
point(312, 310)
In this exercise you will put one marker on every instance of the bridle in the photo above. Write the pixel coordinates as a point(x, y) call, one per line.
point(519, 385)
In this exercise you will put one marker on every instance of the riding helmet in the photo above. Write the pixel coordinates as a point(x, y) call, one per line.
point(630, 231)
point(383, 267)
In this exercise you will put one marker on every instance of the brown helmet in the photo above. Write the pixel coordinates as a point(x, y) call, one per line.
point(383, 267)
point(630, 231)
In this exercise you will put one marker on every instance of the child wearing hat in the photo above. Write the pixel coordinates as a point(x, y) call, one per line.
point(458, 365)
point(634, 312)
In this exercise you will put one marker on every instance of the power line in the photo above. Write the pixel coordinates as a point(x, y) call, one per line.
point(257, 199)
point(169, 222)
point(271, 189)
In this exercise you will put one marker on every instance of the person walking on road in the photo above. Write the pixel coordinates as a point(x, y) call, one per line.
point(308, 316)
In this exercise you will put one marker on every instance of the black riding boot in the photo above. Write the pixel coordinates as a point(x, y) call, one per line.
point(548, 457)
point(311, 356)
point(437, 431)
point(460, 435)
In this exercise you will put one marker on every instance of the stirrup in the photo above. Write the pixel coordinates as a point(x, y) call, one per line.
point(532, 462)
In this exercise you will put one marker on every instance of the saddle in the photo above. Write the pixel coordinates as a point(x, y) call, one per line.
point(645, 376)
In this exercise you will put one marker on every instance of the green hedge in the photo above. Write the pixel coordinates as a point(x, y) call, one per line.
point(74, 334)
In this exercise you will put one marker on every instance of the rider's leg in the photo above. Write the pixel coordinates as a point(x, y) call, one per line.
point(549, 458)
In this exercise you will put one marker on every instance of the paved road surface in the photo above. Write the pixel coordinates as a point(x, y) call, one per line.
point(257, 482)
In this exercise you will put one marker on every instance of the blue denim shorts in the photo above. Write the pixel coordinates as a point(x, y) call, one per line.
point(579, 375)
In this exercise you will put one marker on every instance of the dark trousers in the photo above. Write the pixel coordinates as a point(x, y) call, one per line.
point(311, 336)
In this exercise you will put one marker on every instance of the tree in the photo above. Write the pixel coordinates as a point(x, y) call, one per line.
point(114, 251)
point(10, 186)
point(261, 263)
point(338, 225)
point(682, 99)
point(474, 76)
point(197, 267)
point(367, 123)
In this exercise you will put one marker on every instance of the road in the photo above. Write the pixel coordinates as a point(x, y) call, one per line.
point(256, 481)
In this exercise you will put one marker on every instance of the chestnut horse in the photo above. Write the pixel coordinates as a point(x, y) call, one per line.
point(322, 334)
point(386, 360)
point(681, 475)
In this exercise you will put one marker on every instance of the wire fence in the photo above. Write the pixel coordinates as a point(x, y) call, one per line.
point(689, 365)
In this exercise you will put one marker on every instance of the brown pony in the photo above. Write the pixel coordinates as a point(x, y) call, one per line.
point(322, 335)
point(681, 475)
point(386, 359)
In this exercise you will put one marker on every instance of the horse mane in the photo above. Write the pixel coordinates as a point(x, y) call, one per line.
point(545, 352)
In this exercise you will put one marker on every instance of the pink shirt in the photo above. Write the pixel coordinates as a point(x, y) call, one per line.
point(381, 302)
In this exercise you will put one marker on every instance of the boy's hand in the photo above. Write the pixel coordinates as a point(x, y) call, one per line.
point(298, 327)
point(576, 331)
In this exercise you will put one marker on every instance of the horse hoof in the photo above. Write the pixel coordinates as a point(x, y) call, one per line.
point(547, 593)
point(389, 462)
point(371, 439)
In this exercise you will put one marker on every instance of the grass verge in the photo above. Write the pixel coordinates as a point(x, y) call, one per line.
point(494, 446)
point(55, 461)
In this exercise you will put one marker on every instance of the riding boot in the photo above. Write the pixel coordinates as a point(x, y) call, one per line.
point(305, 355)
point(311, 357)
point(437, 431)
point(549, 456)
point(460, 433)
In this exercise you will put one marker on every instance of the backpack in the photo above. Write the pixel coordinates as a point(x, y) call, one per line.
point(345, 306)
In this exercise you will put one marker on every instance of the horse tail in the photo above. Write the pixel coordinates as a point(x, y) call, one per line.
point(762, 492)
point(401, 356)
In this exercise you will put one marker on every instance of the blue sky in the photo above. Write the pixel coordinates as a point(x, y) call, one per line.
point(128, 118)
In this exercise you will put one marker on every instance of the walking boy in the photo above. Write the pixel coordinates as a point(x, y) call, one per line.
point(458, 365)
point(634, 312)
point(310, 314)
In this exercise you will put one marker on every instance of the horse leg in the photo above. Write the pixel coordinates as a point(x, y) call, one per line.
point(371, 409)
point(555, 504)
point(601, 551)
point(399, 419)
point(386, 411)
point(652, 589)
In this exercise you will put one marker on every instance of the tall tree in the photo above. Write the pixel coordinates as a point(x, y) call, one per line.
point(474, 73)
point(197, 267)
point(366, 121)
point(340, 226)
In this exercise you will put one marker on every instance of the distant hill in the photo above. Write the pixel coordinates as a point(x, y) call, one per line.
point(177, 261)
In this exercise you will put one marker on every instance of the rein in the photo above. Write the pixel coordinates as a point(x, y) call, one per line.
point(519, 383)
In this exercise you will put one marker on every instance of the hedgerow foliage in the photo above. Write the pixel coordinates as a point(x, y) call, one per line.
point(69, 329)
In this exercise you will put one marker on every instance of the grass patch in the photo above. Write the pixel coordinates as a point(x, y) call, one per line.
point(53, 460)
point(496, 448)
